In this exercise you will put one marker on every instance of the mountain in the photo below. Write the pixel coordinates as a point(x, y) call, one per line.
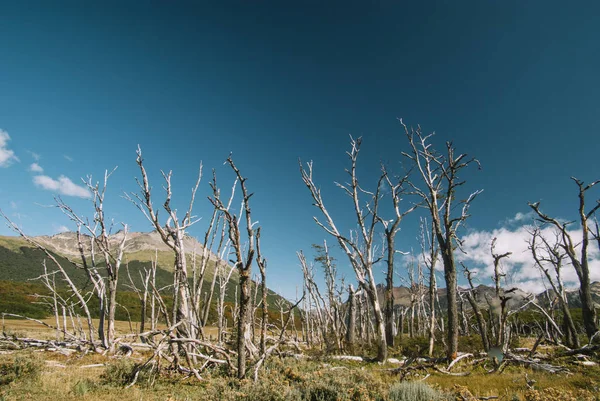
point(484, 293)
point(141, 245)
point(573, 298)
point(21, 263)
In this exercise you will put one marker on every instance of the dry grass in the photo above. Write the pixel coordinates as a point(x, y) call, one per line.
point(64, 378)
point(28, 328)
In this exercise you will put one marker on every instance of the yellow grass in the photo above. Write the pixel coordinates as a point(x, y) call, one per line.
point(28, 328)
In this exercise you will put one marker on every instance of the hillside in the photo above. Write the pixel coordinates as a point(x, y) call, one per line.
point(21, 263)
point(402, 296)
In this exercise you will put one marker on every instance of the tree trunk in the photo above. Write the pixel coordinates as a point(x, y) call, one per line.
point(263, 327)
point(112, 307)
point(102, 321)
point(587, 306)
point(480, 322)
point(183, 310)
point(452, 292)
point(379, 320)
point(389, 290)
point(244, 329)
point(432, 291)
point(351, 324)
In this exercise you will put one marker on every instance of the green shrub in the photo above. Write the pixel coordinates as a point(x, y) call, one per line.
point(415, 346)
point(82, 387)
point(323, 392)
point(123, 371)
point(415, 391)
point(119, 373)
point(23, 367)
point(471, 343)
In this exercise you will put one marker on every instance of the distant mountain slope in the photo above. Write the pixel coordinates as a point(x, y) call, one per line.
point(21, 262)
point(142, 245)
point(483, 293)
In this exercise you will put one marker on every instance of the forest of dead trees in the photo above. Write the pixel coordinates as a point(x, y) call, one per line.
point(343, 316)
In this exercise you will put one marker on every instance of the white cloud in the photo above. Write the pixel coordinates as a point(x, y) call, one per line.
point(7, 156)
point(35, 156)
point(521, 218)
point(69, 158)
point(13, 204)
point(63, 186)
point(60, 229)
point(519, 266)
point(36, 168)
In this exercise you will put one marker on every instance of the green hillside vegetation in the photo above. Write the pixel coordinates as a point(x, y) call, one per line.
point(20, 264)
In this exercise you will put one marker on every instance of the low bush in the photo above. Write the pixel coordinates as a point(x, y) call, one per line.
point(415, 391)
point(23, 367)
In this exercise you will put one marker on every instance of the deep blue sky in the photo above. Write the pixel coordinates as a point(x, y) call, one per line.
point(513, 83)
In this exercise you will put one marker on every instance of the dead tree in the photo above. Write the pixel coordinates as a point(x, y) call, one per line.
point(439, 176)
point(142, 294)
point(173, 233)
point(501, 295)
point(547, 253)
point(243, 262)
point(579, 262)
point(429, 251)
point(223, 275)
point(334, 290)
point(262, 266)
point(472, 298)
point(317, 308)
point(358, 247)
point(391, 228)
point(99, 242)
point(81, 300)
point(351, 319)
point(96, 247)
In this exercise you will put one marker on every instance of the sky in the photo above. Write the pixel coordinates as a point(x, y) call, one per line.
point(512, 83)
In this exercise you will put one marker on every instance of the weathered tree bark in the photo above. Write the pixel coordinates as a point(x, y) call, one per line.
point(389, 290)
point(351, 322)
point(262, 266)
point(432, 289)
point(452, 292)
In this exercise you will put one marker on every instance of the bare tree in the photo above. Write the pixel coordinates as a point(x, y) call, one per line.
point(142, 294)
point(317, 309)
point(472, 298)
point(501, 295)
point(81, 299)
point(99, 241)
point(359, 248)
point(262, 266)
point(439, 176)
point(172, 232)
point(550, 253)
point(430, 254)
point(351, 320)
point(242, 262)
point(579, 261)
point(391, 228)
